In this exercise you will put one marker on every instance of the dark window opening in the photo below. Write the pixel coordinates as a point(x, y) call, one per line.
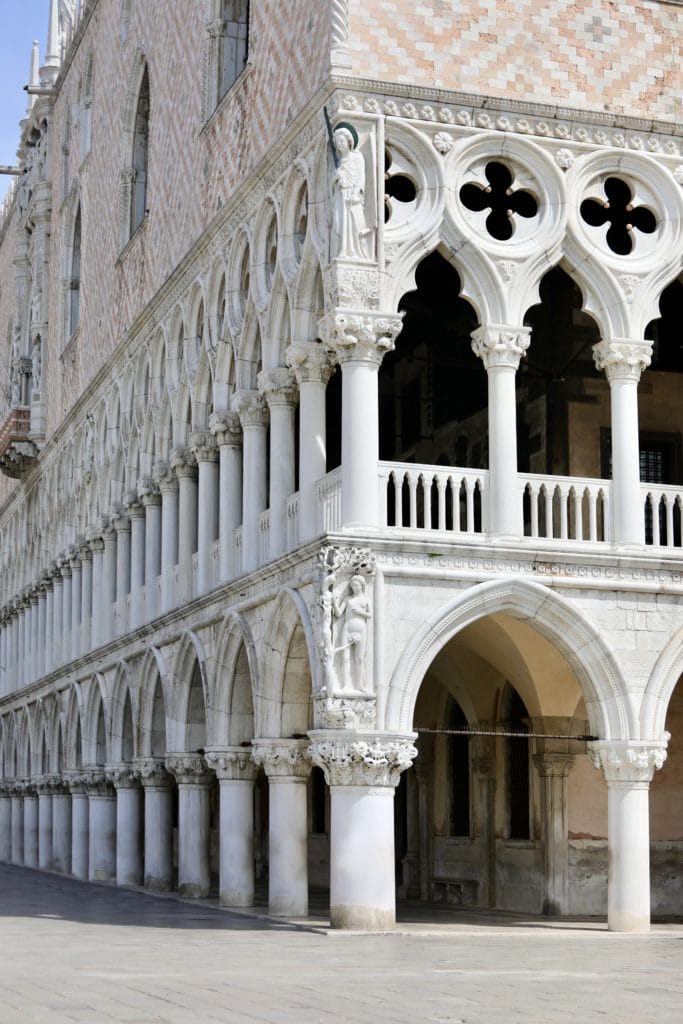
point(459, 774)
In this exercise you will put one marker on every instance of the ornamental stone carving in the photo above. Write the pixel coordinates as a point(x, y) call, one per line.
point(281, 758)
point(77, 783)
point(97, 783)
point(164, 477)
point(361, 759)
point(345, 712)
point(183, 463)
point(500, 346)
point(310, 362)
point(622, 359)
point(360, 337)
point(352, 286)
point(148, 492)
point(278, 386)
point(188, 769)
point(234, 764)
point(251, 408)
point(226, 428)
point(152, 773)
point(628, 762)
point(203, 446)
point(350, 231)
point(342, 620)
point(123, 776)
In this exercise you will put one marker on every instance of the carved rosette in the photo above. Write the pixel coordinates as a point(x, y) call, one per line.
point(310, 362)
point(500, 346)
point(345, 712)
point(282, 759)
point(123, 776)
point(226, 428)
point(278, 386)
point(97, 783)
point(622, 359)
point(234, 764)
point(628, 762)
point(251, 408)
point(152, 773)
point(188, 769)
point(361, 759)
point(360, 337)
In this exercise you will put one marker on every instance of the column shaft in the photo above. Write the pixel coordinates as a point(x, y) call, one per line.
point(61, 832)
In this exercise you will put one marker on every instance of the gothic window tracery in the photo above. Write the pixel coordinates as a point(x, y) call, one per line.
point(618, 210)
point(503, 201)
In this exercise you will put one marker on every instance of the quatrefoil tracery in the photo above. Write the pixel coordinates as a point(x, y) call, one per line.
point(623, 217)
point(503, 201)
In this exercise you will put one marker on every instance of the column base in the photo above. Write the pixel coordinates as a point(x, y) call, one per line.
point(366, 919)
point(158, 884)
point(632, 923)
point(235, 898)
point(193, 891)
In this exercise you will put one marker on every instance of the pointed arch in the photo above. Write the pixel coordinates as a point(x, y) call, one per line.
point(232, 696)
point(192, 694)
point(155, 691)
point(288, 682)
point(124, 714)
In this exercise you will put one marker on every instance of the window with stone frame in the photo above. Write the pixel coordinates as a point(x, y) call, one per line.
point(138, 198)
point(228, 48)
point(73, 284)
point(85, 110)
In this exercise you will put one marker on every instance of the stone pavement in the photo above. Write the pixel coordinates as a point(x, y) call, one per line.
point(71, 952)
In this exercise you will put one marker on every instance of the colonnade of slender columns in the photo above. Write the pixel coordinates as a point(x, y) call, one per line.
point(252, 411)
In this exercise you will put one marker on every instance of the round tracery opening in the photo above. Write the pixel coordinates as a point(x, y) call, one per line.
point(624, 218)
point(501, 199)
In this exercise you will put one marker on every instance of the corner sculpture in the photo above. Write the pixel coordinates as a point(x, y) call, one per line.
point(349, 225)
point(343, 619)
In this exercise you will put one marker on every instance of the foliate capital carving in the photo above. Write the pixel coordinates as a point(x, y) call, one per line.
point(551, 765)
point(152, 773)
point(360, 337)
point(622, 359)
point(278, 386)
point(310, 362)
point(122, 776)
point(134, 507)
point(497, 345)
point(226, 428)
point(93, 538)
point(64, 569)
point(360, 759)
point(251, 408)
point(282, 758)
point(105, 528)
point(97, 783)
point(234, 764)
point(183, 463)
point(345, 712)
point(215, 29)
point(188, 769)
point(119, 519)
point(46, 784)
point(628, 762)
point(148, 491)
point(164, 477)
point(76, 783)
point(203, 446)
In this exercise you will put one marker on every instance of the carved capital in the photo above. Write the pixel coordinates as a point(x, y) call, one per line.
point(234, 764)
point(498, 345)
point(361, 759)
point(360, 337)
point(628, 762)
point(203, 446)
point(188, 769)
point(278, 386)
point(97, 783)
point(148, 492)
point(251, 408)
point(76, 783)
point(555, 766)
point(119, 519)
point(164, 477)
point(46, 784)
point(122, 776)
point(134, 507)
point(622, 359)
point(345, 712)
point(310, 362)
point(226, 428)
point(183, 463)
point(282, 758)
point(152, 773)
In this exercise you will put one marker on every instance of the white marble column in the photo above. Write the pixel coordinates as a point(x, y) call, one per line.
point(136, 515)
point(85, 555)
point(34, 633)
point(25, 626)
point(252, 412)
point(101, 826)
point(228, 432)
point(167, 482)
point(279, 389)
point(4, 667)
point(287, 765)
point(628, 767)
point(49, 619)
point(149, 495)
point(203, 447)
point(185, 468)
point(236, 773)
point(623, 362)
point(500, 348)
point(76, 600)
point(362, 771)
point(553, 770)
point(158, 812)
point(44, 788)
point(66, 573)
point(30, 826)
point(18, 822)
point(312, 368)
point(21, 625)
point(194, 781)
point(121, 523)
point(129, 824)
point(57, 614)
point(109, 560)
point(5, 822)
point(360, 341)
point(80, 825)
point(61, 827)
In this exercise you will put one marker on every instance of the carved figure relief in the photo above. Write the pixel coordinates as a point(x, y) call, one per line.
point(349, 224)
point(343, 620)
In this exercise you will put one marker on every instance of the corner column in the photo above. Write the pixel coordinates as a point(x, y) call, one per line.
point(312, 369)
point(362, 771)
point(628, 767)
point(236, 773)
point(158, 810)
point(360, 340)
point(194, 780)
point(228, 433)
point(287, 765)
point(500, 348)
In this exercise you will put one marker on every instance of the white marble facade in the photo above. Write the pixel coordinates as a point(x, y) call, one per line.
point(215, 640)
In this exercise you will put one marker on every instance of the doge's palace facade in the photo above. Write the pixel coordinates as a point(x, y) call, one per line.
point(342, 455)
